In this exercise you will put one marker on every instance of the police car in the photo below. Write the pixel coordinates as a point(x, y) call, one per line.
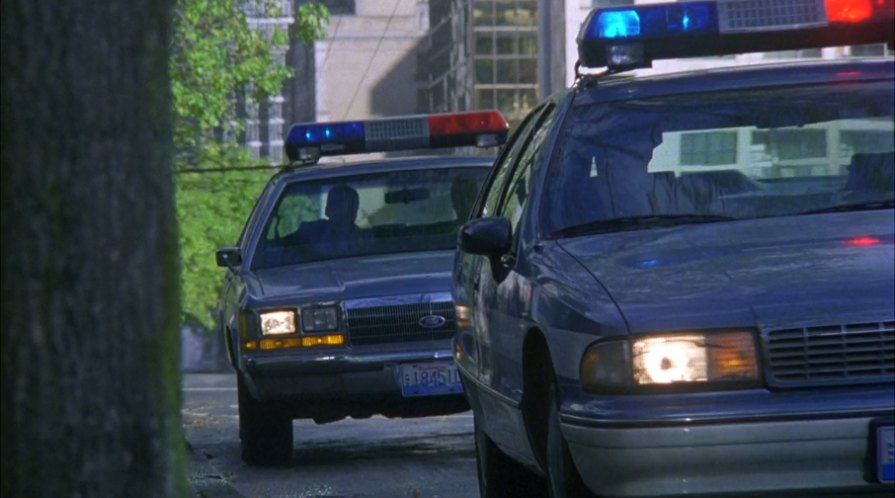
point(336, 301)
point(683, 283)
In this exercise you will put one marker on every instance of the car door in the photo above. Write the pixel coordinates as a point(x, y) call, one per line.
point(502, 301)
point(468, 266)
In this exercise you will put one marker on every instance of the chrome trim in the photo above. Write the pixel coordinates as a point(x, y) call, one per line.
point(743, 419)
point(400, 319)
point(336, 362)
point(431, 321)
point(372, 302)
point(830, 354)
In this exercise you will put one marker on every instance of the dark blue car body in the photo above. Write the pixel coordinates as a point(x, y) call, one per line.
point(389, 300)
point(801, 261)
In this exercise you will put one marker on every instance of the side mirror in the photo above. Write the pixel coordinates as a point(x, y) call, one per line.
point(485, 236)
point(228, 257)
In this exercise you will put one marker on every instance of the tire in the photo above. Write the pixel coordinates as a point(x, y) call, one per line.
point(563, 478)
point(499, 475)
point(265, 433)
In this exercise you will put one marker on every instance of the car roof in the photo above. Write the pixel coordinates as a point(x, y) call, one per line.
point(388, 164)
point(626, 86)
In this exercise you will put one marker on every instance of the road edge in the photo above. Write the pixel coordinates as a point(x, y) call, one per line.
point(205, 480)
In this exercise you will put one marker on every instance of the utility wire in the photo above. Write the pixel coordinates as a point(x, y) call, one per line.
point(370, 60)
point(329, 45)
point(225, 169)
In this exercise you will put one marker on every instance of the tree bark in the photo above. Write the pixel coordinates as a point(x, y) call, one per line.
point(90, 283)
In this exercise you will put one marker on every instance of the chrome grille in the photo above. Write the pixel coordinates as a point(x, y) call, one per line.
point(399, 323)
point(831, 355)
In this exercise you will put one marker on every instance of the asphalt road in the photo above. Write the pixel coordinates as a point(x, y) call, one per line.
point(377, 457)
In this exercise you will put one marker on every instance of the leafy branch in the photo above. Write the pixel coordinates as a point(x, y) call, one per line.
point(222, 58)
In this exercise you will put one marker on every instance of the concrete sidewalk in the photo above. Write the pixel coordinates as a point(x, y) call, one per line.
point(204, 479)
point(201, 353)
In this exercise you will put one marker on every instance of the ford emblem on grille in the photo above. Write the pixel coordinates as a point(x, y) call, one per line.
point(432, 321)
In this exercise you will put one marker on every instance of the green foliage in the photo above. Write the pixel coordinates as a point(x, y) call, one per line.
point(291, 212)
point(212, 209)
point(216, 60)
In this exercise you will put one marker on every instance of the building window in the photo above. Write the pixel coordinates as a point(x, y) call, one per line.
point(808, 53)
point(602, 4)
point(873, 50)
point(798, 144)
point(505, 56)
point(340, 7)
point(868, 140)
point(709, 149)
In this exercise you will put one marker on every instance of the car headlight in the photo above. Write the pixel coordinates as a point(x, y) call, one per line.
point(277, 322)
point(319, 318)
point(708, 360)
point(463, 315)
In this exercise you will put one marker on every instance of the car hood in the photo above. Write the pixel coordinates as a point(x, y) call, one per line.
point(773, 272)
point(353, 278)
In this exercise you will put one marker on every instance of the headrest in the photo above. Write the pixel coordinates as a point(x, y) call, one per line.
point(871, 171)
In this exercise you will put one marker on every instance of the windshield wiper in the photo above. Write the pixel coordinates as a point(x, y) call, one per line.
point(857, 206)
point(636, 223)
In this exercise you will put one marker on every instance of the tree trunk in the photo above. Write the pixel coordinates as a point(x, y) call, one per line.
point(90, 290)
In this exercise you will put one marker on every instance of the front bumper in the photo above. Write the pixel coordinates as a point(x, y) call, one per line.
point(739, 442)
point(731, 458)
point(335, 384)
point(331, 372)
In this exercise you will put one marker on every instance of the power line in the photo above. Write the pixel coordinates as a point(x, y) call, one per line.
point(225, 169)
point(372, 57)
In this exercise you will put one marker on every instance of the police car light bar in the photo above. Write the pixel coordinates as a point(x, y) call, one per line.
point(309, 141)
point(633, 36)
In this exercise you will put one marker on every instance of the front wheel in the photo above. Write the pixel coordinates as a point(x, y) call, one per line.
point(265, 433)
point(499, 475)
point(562, 476)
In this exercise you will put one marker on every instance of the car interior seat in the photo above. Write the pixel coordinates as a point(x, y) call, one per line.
point(662, 195)
point(871, 173)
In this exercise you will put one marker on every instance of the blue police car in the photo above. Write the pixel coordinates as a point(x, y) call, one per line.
point(336, 301)
point(685, 283)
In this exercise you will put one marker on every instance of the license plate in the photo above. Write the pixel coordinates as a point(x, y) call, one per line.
point(885, 453)
point(426, 379)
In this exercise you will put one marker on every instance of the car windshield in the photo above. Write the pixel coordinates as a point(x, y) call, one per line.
point(722, 156)
point(388, 212)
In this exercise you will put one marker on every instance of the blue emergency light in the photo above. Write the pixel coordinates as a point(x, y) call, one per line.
point(308, 141)
point(633, 36)
point(656, 21)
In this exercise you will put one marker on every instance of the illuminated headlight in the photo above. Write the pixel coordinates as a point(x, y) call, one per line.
point(463, 315)
point(277, 322)
point(720, 359)
point(320, 319)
